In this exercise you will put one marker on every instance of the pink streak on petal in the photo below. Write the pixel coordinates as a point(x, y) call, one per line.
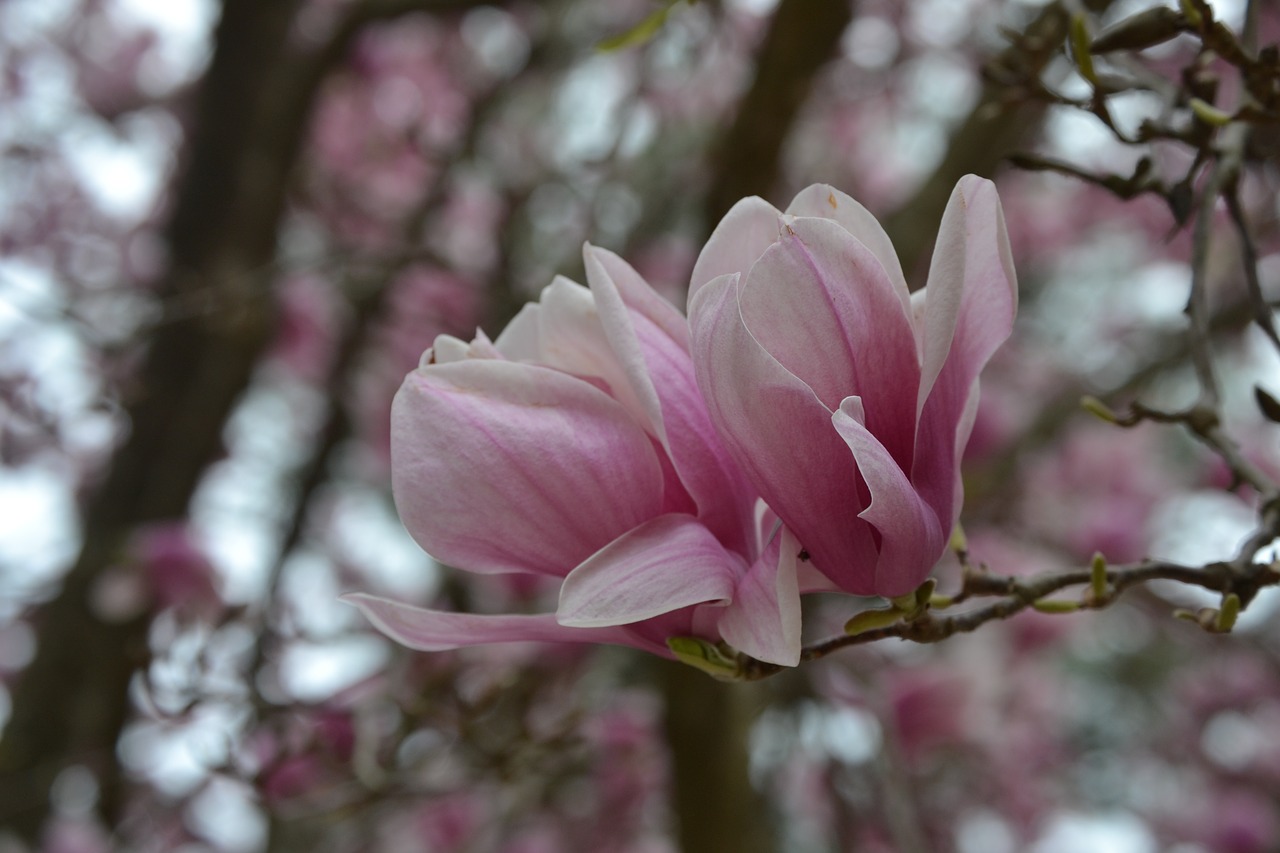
point(972, 290)
point(660, 372)
point(436, 630)
point(781, 435)
point(669, 562)
point(500, 467)
point(911, 537)
point(574, 340)
point(638, 295)
point(969, 307)
point(751, 226)
point(827, 202)
point(821, 304)
point(763, 620)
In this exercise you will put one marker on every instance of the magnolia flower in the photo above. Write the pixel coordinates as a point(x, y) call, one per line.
point(846, 399)
point(577, 446)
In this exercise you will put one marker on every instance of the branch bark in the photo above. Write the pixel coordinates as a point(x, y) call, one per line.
point(991, 131)
point(708, 723)
point(803, 37)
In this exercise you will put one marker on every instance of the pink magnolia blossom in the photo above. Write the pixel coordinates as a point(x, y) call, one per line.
point(577, 446)
point(846, 399)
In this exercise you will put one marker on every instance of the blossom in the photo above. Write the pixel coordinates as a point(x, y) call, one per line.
point(577, 446)
point(846, 399)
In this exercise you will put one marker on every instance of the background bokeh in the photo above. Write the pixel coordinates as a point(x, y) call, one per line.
point(228, 230)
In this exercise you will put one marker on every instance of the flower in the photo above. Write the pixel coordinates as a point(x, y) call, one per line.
point(577, 446)
point(845, 399)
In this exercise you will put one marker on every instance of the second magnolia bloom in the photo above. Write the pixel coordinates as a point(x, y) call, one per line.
point(847, 399)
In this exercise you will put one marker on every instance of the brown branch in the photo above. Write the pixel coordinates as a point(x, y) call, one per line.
point(1263, 314)
point(802, 39)
point(1205, 425)
point(995, 127)
point(1241, 577)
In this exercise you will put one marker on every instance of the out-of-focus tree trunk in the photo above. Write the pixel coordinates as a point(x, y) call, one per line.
point(70, 704)
point(803, 37)
point(707, 722)
point(250, 119)
point(707, 727)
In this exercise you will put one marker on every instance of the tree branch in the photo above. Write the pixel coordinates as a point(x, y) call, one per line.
point(801, 40)
point(1238, 577)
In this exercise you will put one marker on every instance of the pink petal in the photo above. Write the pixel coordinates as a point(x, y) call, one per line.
point(629, 378)
point(750, 227)
point(573, 340)
point(763, 620)
point(963, 430)
point(659, 371)
point(663, 565)
point(969, 307)
point(827, 202)
point(821, 304)
point(810, 579)
point(446, 348)
point(911, 537)
point(637, 294)
point(499, 466)
point(438, 630)
point(521, 340)
point(972, 291)
point(780, 434)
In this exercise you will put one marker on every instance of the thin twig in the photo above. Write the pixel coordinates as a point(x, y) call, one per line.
point(1263, 314)
point(1197, 309)
point(1018, 594)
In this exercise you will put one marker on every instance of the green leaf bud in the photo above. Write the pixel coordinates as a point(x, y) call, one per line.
point(700, 654)
point(870, 620)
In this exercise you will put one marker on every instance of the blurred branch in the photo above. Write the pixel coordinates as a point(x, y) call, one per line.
point(1220, 147)
point(1263, 314)
point(1224, 171)
point(707, 726)
point(71, 702)
point(1240, 579)
point(996, 126)
point(1204, 423)
point(802, 39)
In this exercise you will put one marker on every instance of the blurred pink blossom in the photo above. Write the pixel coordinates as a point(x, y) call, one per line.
point(1241, 821)
point(310, 318)
point(1097, 490)
point(75, 835)
point(928, 710)
point(175, 569)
